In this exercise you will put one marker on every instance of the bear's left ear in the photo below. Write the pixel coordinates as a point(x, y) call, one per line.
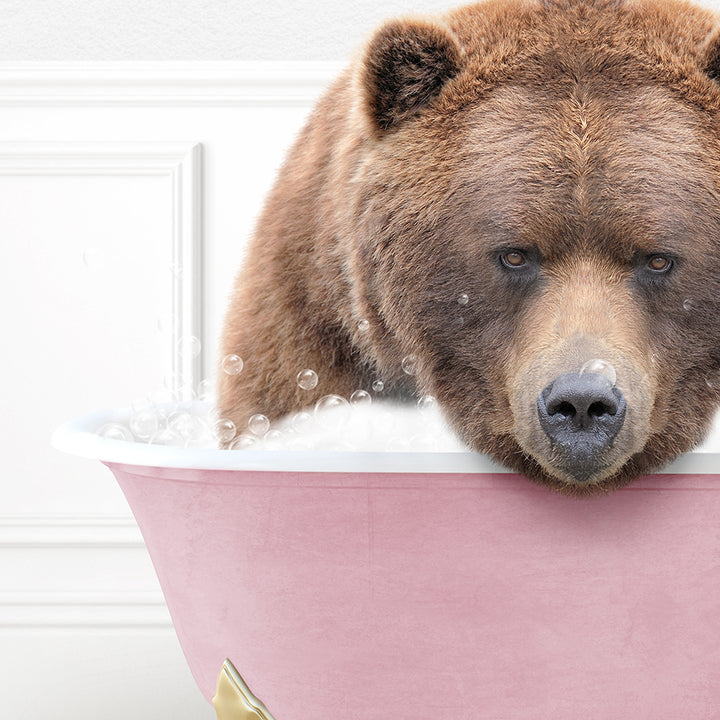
point(709, 55)
point(406, 65)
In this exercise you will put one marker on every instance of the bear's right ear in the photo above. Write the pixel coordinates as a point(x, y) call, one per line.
point(406, 65)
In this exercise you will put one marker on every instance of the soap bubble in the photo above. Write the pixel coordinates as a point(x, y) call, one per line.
point(332, 411)
point(426, 402)
point(160, 396)
point(144, 423)
point(201, 436)
point(688, 305)
point(166, 436)
point(307, 379)
point(244, 442)
point(601, 367)
point(301, 421)
point(409, 364)
point(463, 299)
point(115, 431)
point(258, 424)
point(273, 440)
point(360, 397)
point(206, 390)
point(141, 403)
point(186, 392)
point(184, 424)
point(363, 325)
point(189, 346)
point(330, 402)
point(211, 417)
point(224, 430)
point(378, 386)
point(232, 364)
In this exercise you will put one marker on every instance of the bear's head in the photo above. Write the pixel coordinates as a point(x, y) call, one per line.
point(535, 217)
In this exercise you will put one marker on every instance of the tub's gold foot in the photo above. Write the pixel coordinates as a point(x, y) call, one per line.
point(233, 699)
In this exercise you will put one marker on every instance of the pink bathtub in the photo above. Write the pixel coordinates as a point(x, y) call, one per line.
point(359, 586)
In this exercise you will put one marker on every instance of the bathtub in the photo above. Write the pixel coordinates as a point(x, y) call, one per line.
point(369, 586)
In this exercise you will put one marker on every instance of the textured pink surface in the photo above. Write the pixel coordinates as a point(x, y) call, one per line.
point(368, 597)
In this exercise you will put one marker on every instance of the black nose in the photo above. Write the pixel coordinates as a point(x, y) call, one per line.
point(581, 415)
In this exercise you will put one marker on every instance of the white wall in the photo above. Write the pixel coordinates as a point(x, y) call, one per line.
point(192, 29)
point(196, 29)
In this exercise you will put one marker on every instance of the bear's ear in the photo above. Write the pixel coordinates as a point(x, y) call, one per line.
point(709, 55)
point(406, 65)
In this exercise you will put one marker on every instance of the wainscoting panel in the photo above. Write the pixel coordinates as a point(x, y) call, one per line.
point(128, 194)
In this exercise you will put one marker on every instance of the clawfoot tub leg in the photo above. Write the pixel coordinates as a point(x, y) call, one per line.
point(233, 699)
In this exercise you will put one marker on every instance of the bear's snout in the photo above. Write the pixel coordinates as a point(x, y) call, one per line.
point(581, 414)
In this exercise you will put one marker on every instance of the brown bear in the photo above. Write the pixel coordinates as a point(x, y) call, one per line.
point(505, 193)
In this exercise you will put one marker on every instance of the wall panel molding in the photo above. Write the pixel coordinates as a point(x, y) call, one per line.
point(84, 610)
point(233, 84)
point(79, 600)
point(67, 531)
point(181, 163)
point(75, 542)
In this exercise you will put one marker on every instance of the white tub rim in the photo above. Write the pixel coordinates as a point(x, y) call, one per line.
point(78, 437)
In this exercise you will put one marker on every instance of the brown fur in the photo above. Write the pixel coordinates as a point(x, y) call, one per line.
point(585, 133)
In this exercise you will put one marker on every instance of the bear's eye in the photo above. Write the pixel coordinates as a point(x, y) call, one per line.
point(659, 263)
point(513, 259)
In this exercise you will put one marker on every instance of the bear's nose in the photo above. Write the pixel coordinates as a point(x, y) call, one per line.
point(581, 414)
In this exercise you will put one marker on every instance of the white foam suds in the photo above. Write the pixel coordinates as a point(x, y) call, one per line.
point(379, 426)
